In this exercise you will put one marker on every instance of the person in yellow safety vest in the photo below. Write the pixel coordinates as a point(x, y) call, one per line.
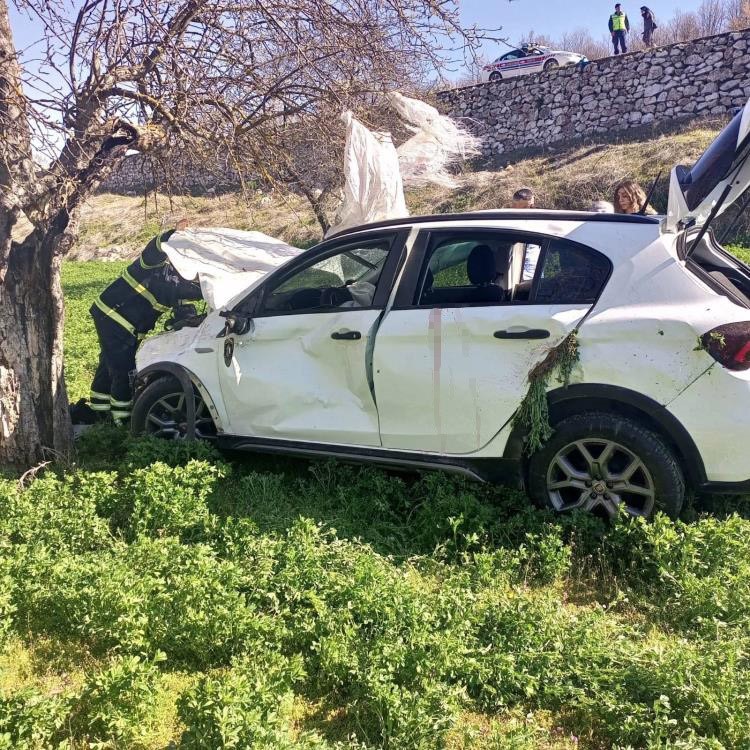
point(123, 313)
point(619, 26)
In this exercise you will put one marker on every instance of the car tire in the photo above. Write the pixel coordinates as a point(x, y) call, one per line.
point(495, 76)
point(152, 414)
point(601, 462)
point(551, 65)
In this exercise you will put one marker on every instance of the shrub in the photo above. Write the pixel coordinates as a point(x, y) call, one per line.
point(60, 513)
point(249, 705)
point(695, 577)
point(139, 598)
point(114, 706)
point(172, 500)
point(143, 451)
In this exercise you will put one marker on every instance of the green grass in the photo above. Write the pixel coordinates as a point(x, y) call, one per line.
point(157, 595)
point(743, 253)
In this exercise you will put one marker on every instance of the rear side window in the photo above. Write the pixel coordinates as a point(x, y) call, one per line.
point(571, 275)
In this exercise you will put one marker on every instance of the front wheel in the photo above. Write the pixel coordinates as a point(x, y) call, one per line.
point(551, 65)
point(605, 463)
point(160, 411)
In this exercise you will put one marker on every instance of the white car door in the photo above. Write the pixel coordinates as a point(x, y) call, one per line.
point(300, 371)
point(452, 356)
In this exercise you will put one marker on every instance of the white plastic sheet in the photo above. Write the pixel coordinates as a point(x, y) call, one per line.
point(437, 144)
point(373, 189)
point(375, 172)
point(226, 261)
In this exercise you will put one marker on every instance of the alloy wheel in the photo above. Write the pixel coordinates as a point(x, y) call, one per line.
point(600, 476)
point(167, 418)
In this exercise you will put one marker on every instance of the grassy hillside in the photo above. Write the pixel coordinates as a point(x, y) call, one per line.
point(118, 226)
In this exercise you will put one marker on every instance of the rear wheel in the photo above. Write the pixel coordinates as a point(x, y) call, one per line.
point(495, 76)
point(551, 65)
point(603, 463)
point(160, 410)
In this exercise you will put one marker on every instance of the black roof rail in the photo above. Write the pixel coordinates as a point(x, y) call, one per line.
point(528, 214)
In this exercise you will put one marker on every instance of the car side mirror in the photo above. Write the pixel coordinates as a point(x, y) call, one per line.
point(236, 323)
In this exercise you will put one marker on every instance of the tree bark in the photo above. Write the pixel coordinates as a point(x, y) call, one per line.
point(34, 419)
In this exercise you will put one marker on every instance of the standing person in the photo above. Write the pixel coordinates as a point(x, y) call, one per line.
point(523, 199)
point(619, 26)
point(630, 198)
point(649, 26)
point(123, 313)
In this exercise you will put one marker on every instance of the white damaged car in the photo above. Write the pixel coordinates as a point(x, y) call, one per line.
point(409, 343)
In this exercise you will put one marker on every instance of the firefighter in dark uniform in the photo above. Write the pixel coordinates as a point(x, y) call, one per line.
point(124, 312)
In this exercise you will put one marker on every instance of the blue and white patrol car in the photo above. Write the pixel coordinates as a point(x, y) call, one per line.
point(529, 59)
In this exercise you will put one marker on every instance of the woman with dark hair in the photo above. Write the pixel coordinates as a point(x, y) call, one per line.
point(649, 26)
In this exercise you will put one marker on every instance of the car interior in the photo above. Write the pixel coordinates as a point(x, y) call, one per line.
point(507, 270)
point(347, 279)
point(723, 272)
point(487, 269)
point(481, 271)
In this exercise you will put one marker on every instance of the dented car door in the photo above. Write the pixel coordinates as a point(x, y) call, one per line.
point(470, 319)
point(300, 370)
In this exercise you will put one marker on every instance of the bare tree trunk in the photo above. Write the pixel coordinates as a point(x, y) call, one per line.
point(34, 419)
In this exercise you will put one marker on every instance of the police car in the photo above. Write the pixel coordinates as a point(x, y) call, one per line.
point(529, 59)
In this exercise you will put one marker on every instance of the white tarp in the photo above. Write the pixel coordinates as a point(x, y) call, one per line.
point(226, 261)
point(375, 172)
point(373, 190)
point(438, 143)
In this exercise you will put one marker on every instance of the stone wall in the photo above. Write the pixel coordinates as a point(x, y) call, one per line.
point(660, 87)
point(138, 174)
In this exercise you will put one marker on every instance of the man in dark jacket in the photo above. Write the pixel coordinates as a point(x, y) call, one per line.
point(619, 26)
point(123, 313)
point(649, 26)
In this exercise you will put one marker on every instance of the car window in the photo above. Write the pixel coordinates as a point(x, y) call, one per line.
point(513, 55)
point(466, 270)
point(345, 279)
point(486, 267)
point(571, 274)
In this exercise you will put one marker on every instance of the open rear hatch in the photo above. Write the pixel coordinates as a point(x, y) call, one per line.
point(699, 194)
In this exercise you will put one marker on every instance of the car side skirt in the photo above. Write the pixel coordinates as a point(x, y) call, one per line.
point(726, 488)
point(506, 471)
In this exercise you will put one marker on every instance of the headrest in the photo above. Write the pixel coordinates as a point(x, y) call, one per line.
point(481, 265)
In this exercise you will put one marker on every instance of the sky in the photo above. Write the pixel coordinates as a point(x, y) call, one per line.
point(517, 18)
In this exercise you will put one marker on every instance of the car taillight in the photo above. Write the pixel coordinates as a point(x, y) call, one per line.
point(729, 345)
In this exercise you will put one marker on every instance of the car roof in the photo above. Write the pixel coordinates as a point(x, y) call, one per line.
point(505, 214)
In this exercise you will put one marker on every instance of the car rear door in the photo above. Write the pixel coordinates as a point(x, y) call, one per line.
point(452, 358)
point(300, 372)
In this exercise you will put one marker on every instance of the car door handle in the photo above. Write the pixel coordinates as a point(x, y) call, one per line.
point(346, 335)
point(526, 333)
